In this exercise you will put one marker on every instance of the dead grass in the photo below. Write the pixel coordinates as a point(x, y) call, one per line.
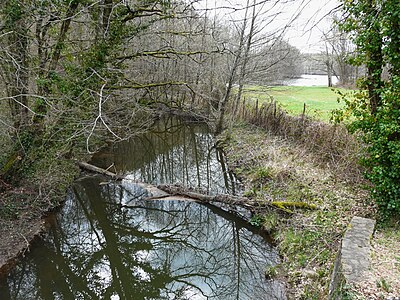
point(302, 159)
point(277, 168)
point(330, 144)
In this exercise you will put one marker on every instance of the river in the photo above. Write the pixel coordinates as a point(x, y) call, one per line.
point(108, 242)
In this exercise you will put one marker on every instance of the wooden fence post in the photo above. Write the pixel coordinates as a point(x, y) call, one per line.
point(256, 112)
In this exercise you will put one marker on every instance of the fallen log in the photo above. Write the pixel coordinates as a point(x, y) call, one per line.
point(95, 169)
point(220, 198)
point(230, 200)
point(167, 191)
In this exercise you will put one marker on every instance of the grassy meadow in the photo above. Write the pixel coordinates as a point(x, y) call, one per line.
point(319, 100)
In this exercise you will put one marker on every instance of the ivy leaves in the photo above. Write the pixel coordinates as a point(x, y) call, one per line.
point(375, 27)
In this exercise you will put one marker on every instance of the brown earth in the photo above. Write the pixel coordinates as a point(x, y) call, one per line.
point(15, 240)
point(23, 208)
point(21, 221)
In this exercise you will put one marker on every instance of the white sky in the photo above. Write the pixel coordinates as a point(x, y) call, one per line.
point(305, 32)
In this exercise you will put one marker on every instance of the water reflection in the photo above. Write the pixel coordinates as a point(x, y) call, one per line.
point(108, 243)
point(174, 152)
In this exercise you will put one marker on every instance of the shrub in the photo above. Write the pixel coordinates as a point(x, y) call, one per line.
point(381, 134)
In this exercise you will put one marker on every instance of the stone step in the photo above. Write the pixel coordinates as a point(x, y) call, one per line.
point(353, 259)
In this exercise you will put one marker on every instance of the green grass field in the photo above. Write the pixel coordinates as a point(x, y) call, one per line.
point(320, 101)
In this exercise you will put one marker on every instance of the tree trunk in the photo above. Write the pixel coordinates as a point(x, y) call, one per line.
point(95, 169)
point(375, 61)
point(41, 106)
point(329, 71)
point(328, 63)
point(232, 74)
point(246, 57)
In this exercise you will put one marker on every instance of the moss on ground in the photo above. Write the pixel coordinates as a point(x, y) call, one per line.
point(275, 169)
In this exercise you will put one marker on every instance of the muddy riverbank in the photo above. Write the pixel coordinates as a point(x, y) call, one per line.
point(23, 209)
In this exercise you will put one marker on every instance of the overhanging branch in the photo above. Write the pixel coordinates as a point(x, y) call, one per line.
point(164, 53)
point(144, 86)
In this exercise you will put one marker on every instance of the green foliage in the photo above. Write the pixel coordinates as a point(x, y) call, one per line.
point(256, 220)
point(262, 174)
point(381, 135)
point(376, 107)
point(271, 221)
point(296, 245)
point(251, 193)
point(13, 11)
point(383, 284)
point(348, 293)
point(268, 221)
point(271, 272)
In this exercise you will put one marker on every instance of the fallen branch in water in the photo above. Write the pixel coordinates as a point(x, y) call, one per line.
point(230, 200)
point(221, 198)
point(95, 169)
point(167, 190)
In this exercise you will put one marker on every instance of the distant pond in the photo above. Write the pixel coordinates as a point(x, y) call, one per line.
point(309, 80)
point(108, 242)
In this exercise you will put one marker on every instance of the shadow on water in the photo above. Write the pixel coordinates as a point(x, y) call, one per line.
point(109, 243)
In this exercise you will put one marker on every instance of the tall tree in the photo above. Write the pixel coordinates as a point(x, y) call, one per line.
point(337, 52)
point(237, 56)
point(259, 52)
point(70, 65)
point(374, 26)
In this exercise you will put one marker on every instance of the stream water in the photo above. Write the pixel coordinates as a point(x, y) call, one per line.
point(107, 242)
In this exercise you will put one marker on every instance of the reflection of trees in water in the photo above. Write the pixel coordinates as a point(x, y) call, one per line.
point(149, 250)
point(176, 152)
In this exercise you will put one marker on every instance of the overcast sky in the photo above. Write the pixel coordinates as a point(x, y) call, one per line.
point(306, 31)
point(305, 18)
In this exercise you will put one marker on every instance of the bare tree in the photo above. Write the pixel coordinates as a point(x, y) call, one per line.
point(14, 57)
point(338, 48)
point(237, 56)
point(260, 54)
